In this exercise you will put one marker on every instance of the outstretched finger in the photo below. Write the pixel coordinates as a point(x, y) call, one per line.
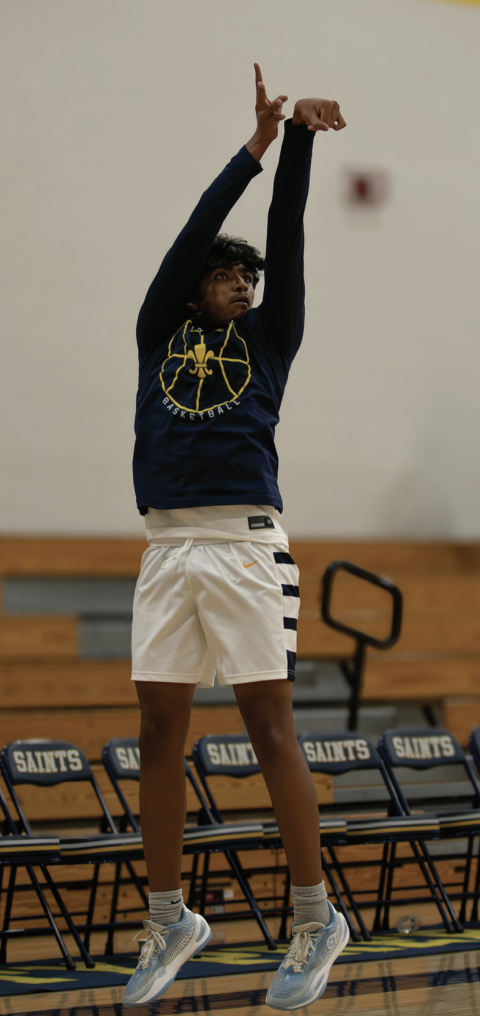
point(261, 101)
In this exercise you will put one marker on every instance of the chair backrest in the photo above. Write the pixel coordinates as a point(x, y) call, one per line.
point(422, 749)
point(121, 758)
point(339, 753)
point(225, 755)
point(45, 763)
point(348, 752)
point(222, 762)
point(231, 776)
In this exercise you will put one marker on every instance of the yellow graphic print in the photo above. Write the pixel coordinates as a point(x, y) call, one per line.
point(199, 380)
point(200, 356)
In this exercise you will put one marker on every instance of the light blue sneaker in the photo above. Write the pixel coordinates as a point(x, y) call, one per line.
point(303, 975)
point(164, 952)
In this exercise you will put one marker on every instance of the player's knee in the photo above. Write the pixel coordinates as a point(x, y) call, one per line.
point(161, 731)
point(273, 738)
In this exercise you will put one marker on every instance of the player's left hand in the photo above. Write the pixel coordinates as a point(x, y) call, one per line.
point(318, 114)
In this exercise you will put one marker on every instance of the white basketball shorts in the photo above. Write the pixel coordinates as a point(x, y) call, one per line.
point(224, 608)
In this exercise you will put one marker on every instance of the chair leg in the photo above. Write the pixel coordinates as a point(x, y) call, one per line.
point(353, 931)
point(282, 934)
point(476, 888)
point(247, 892)
point(137, 883)
point(430, 873)
point(87, 959)
point(8, 911)
point(91, 906)
point(389, 887)
point(462, 917)
point(70, 965)
point(377, 921)
point(346, 888)
point(203, 887)
point(193, 882)
point(109, 950)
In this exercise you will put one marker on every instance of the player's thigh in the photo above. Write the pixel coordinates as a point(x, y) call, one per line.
point(165, 713)
point(167, 637)
point(248, 606)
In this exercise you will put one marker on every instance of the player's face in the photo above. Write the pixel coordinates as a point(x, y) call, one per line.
point(223, 293)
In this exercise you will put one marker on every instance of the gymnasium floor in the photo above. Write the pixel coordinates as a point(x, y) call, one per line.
point(446, 984)
point(432, 984)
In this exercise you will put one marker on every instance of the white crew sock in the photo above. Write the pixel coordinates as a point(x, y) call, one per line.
point(310, 904)
point(166, 908)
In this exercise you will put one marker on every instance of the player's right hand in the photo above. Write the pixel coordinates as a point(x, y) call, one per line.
point(269, 115)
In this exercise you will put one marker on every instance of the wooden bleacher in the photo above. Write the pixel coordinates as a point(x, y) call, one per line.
point(47, 690)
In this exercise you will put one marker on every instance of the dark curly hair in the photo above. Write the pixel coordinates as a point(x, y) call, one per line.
point(230, 250)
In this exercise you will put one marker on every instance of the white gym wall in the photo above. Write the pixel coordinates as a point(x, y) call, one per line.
point(116, 114)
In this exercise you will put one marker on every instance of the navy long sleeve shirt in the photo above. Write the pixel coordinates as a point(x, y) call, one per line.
point(208, 403)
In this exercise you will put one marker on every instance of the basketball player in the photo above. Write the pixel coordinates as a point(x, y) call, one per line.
point(218, 590)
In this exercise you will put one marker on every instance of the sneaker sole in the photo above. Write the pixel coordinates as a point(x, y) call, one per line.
point(318, 991)
point(165, 984)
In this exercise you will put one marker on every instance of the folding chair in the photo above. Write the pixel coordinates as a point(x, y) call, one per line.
point(232, 755)
point(46, 763)
point(14, 766)
point(20, 851)
point(374, 815)
point(407, 751)
point(121, 760)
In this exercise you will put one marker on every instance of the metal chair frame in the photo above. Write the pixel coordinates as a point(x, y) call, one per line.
point(21, 851)
point(388, 831)
point(103, 848)
point(454, 823)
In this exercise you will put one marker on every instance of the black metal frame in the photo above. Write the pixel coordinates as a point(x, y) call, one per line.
point(42, 851)
point(206, 817)
point(23, 825)
point(420, 853)
point(460, 832)
point(353, 669)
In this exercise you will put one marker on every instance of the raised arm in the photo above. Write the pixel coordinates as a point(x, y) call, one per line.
point(283, 306)
point(181, 268)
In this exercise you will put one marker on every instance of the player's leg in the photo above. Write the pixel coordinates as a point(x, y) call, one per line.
point(266, 708)
point(174, 934)
point(320, 933)
point(168, 650)
point(165, 717)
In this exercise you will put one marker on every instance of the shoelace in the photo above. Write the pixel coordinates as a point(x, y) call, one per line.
point(155, 940)
point(183, 550)
point(300, 950)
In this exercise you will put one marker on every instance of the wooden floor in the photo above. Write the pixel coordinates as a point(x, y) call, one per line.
point(447, 985)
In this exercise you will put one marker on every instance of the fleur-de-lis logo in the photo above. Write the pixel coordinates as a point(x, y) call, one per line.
point(200, 357)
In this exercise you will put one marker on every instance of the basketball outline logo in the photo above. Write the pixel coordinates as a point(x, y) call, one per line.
point(200, 361)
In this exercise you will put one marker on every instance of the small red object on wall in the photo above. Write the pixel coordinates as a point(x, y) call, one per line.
point(366, 186)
